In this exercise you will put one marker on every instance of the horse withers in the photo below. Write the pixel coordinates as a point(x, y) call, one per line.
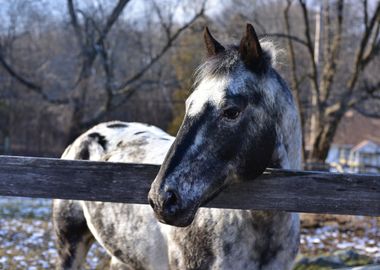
point(240, 119)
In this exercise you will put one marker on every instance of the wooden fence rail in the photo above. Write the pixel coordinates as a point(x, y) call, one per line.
point(297, 191)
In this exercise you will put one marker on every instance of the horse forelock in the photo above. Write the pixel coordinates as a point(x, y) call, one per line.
point(224, 63)
point(225, 73)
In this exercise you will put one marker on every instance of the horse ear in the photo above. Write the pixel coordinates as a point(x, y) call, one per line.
point(250, 49)
point(212, 45)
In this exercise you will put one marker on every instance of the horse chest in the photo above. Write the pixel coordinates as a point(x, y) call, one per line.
point(229, 239)
point(217, 239)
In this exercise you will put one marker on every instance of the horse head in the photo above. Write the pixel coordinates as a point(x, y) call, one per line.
point(232, 131)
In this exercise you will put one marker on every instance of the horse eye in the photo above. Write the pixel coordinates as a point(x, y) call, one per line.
point(231, 113)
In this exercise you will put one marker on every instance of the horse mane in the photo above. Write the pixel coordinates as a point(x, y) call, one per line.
point(229, 60)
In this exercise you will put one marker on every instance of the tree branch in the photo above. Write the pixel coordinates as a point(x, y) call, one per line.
point(74, 22)
point(366, 113)
point(88, 44)
point(112, 106)
point(359, 65)
point(310, 48)
point(112, 19)
point(108, 70)
point(329, 70)
point(368, 91)
point(365, 9)
point(166, 27)
point(287, 36)
point(29, 84)
point(124, 89)
point(359, 62)
point(326, 31)
point(293, 65)
point(374, 48)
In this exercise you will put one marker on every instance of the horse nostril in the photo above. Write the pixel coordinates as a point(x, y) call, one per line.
point(151, 203)
point(171, 203)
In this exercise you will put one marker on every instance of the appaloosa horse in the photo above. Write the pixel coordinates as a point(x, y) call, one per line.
point(240, 119)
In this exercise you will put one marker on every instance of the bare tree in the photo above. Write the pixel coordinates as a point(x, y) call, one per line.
point(330, 99)
point(95, 57)
point(332, 50)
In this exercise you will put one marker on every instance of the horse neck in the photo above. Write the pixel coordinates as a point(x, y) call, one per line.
point(287, 155)
point(288, 151)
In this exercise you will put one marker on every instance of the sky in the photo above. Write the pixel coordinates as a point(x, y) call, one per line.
point(58, 8)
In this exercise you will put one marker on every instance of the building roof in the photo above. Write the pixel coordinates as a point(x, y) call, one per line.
point(362, 145)
point(356, 128)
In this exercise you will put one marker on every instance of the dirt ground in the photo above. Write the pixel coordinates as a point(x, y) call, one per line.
point(327, 233)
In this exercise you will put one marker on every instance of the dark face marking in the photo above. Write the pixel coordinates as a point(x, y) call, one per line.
point(99, 139)
point(209, 153)
point(186, 136)
point(140, 132)
point(84, 153)
point(118, 125)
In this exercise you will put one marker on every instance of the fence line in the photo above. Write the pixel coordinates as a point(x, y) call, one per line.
point(297, 191)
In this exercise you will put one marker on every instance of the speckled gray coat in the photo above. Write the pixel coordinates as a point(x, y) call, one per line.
point(217, 239)
point(267, 133)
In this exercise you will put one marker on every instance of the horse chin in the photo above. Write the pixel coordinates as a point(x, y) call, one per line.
point(185, 217)
point(182, 219)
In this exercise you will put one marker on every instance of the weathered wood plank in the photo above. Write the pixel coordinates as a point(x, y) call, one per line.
point(298, 191)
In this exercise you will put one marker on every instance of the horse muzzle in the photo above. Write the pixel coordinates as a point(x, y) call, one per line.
point(170, 209)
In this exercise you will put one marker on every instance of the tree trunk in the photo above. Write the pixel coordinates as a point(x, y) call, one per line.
point(79, 103)
point(324, 138)
point(75, 127)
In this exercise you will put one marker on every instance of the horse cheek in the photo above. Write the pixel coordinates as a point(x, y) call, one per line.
point(258, 156)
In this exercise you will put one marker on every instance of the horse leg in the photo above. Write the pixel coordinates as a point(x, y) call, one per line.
point(73, 236)
point(117, 265)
